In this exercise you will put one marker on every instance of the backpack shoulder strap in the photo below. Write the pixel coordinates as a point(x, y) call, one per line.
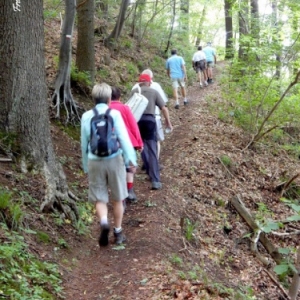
point(107, 111)
point(95, 111)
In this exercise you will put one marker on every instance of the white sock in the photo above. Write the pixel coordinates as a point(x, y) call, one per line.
point(177, 102)
point(117, 230)
point(104, 220)
point(185, 100)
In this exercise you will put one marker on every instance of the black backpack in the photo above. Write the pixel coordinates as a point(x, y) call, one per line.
point(103, 141)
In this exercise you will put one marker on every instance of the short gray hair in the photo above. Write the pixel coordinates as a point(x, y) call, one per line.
point(101, 93)
point(148, 72)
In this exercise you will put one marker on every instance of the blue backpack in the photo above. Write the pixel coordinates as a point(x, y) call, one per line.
point(103, 141)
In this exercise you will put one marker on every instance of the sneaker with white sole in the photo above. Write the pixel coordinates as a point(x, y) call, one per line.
point(131, 195)
point(201, 86)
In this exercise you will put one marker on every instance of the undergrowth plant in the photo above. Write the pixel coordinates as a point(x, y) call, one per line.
point(22, 275)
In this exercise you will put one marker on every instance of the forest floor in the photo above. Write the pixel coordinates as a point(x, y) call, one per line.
point(178, 246)
point(184, 241)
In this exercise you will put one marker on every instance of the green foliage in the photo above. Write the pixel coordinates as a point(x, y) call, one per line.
point(79, 76)
point(22, 275)
point(43, 237)
point(226, 160)
point(189, 229)
point(11, 212)
point(175, 259)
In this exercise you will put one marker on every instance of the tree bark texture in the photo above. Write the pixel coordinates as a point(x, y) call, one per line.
point(200, 26)
point(85, 53)
point(229, 52)
point(23, 98)
point(243, 27)
point(115, 34)
point(62, 93)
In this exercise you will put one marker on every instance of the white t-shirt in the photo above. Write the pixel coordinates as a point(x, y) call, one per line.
point(199, 55)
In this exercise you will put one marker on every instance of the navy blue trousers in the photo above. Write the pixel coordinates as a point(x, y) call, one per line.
point(147, 126)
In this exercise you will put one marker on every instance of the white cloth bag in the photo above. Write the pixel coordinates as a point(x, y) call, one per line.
point(137, 104)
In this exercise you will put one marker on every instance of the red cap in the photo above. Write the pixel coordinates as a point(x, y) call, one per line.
point(144, 78)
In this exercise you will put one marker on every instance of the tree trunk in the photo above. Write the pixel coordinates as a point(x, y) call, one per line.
point(294, 288)
point(172, 27)
point(200, 26)
point(255, 27)
point(23, 100)
point(243, 27)
point(85, 54)
point(275, 37)
point(115, 34)
point(62, 90)
point(184, 21)
point(229, 52)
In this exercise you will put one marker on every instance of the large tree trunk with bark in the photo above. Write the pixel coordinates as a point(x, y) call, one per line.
point(229, 52)
point(85, 54)
point(62, 93)
point(23, 100)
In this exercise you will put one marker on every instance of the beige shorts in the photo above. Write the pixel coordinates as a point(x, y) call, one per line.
point(176, 83)
point(104, 175)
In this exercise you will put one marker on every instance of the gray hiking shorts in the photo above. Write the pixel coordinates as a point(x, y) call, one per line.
point(105, 175)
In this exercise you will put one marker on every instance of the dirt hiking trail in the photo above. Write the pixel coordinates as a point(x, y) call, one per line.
point(159, 261)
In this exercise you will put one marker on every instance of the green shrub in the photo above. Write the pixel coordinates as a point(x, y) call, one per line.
point(22, 275)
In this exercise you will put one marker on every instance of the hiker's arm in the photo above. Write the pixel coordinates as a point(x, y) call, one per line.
point(184, 71)
point(84, 138)
point(165, 112)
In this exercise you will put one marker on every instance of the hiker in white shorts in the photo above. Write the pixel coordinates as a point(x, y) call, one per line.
point(159, 128)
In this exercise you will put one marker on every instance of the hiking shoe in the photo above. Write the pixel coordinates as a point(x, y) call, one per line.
point(201, 86)
point(210, 81)
point(119, 237)
point(177, 106)
point(186, 102)
point(103, 239)
point(131, 195)
point(205, 83)
point(156, 185)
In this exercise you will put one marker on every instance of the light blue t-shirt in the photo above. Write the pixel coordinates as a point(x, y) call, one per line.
point(174, 64)
point(126, 149)
point(209, 53)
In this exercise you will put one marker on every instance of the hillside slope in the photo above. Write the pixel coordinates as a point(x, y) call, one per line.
point(177, 246)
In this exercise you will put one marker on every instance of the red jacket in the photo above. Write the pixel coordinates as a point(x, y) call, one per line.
point(130, 123)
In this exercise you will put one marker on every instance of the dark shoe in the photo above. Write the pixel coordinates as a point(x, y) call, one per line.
point(186, 102)
point(119, 238)
point(210, 81)
point(103, 239)
point(131, 195)
point(177, 106)
point(156, 185)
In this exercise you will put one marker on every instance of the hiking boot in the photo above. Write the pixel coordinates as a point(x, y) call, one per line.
point(156, 185)
point(210, 81)
point(131, 195)
point(186, 102)
point(119, 237)
point(177, 106)
point(103, 239)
